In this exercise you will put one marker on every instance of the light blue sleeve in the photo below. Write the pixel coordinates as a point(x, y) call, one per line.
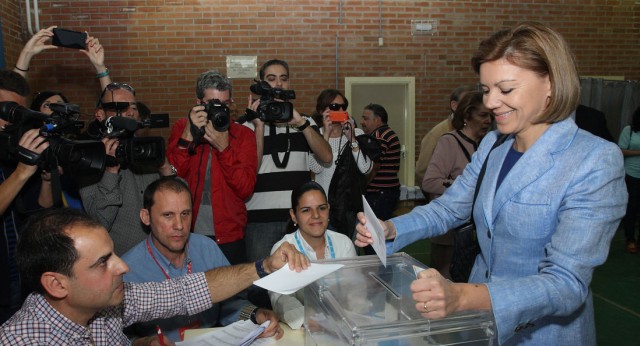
point(625, 138)
point(448, 211)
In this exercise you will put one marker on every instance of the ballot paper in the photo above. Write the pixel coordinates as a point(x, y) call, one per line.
point(417, 270)
point(287, 281)
point(241, 333)
point(377, 232)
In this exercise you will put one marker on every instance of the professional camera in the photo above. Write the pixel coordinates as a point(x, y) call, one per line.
point(142, 155)
point(86, 158)
point(219, 115)
point(269, 109)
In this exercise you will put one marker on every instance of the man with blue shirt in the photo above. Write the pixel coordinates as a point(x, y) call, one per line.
point(172, 251)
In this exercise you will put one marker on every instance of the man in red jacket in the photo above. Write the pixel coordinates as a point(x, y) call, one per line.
point(218, 160)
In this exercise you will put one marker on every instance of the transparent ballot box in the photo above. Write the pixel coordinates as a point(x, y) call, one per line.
point(364, 303)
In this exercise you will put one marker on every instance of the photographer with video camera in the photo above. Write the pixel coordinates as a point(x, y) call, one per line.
point(217, 157)
point(284, 139)
point(22, 191)
point(132, 164)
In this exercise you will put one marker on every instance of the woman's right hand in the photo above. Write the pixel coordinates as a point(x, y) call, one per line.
point(326, 121)
point(364, 237)
point(37, 43)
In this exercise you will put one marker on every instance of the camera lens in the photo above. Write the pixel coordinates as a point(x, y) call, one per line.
point(221, 121)
point(218, 114)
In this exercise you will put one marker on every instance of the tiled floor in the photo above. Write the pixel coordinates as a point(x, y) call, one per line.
point(616, 291)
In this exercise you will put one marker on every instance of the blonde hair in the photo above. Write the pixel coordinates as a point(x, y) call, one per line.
point(541, 49)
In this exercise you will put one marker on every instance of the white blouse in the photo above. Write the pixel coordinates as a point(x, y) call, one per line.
point(324, 171)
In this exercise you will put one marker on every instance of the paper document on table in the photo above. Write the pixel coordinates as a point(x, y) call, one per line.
point(377, 232)
point(287, 281)
point(249, 338)
point(241, 333)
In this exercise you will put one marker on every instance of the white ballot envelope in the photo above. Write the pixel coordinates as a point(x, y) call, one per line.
point(377, 232)
point(287, 281)
point(417, 270)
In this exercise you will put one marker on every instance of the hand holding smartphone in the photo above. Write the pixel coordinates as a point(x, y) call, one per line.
point(338, 116)
point(69, 38)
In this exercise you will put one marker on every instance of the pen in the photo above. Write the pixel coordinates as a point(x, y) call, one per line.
point(160, 336)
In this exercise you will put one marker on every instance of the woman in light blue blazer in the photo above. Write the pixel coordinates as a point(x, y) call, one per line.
point(551, 200)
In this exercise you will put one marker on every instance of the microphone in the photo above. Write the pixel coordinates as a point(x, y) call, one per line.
point(121, 123)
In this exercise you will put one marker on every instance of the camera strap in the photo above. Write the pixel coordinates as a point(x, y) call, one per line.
point(56, 186)
point(274, 149)
point(27, 156)
point(196, 134)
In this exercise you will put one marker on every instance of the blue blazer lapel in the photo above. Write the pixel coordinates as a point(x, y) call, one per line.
point(534, 163)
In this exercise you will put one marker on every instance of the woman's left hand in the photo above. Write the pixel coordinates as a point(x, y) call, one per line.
point(434, 295)
point(348, 129)
point(95, 51)
point(326, 121)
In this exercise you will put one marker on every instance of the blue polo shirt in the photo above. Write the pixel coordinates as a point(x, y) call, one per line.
point(204, 254)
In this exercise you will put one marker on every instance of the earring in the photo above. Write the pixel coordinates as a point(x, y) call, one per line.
point(465, 124)
point(295, 224)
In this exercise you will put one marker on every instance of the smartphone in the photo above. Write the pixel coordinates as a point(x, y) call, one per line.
point(339, 116)
point(69, 38)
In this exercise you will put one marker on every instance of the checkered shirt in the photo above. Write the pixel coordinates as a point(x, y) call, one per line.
point(38, 323)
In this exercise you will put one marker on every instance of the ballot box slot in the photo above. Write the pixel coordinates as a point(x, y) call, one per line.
point(384, 284)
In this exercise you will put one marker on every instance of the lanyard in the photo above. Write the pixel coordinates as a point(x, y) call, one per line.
point(189, 266)
point(329, 242)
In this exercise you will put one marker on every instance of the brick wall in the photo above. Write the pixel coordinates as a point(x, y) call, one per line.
point(11, 18)
point(160, 46)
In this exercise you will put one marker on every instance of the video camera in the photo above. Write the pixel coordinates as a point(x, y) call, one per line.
point(143, 155)
point(269, 109)
point(76, 157)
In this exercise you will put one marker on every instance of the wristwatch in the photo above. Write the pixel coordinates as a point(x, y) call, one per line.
point(253, 316)
point(303, 126)
point(248, 312)
point(174, 172)
point(354, 144)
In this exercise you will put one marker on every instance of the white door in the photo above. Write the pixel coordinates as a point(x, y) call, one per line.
point(397, 96)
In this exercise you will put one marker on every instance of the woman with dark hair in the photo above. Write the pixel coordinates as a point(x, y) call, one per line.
point(43, 99)
point(310, 213)
point(471, 121)
point(546, 199)
point(341, 136)
point(629, 142)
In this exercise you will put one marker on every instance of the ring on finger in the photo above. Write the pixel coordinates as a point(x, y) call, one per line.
point(424, 306)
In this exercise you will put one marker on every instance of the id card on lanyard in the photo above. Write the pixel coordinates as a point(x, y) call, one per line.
point(195, 324)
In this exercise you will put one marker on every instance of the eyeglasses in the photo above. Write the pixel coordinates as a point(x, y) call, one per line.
point(337, 106)
point(115, 86)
